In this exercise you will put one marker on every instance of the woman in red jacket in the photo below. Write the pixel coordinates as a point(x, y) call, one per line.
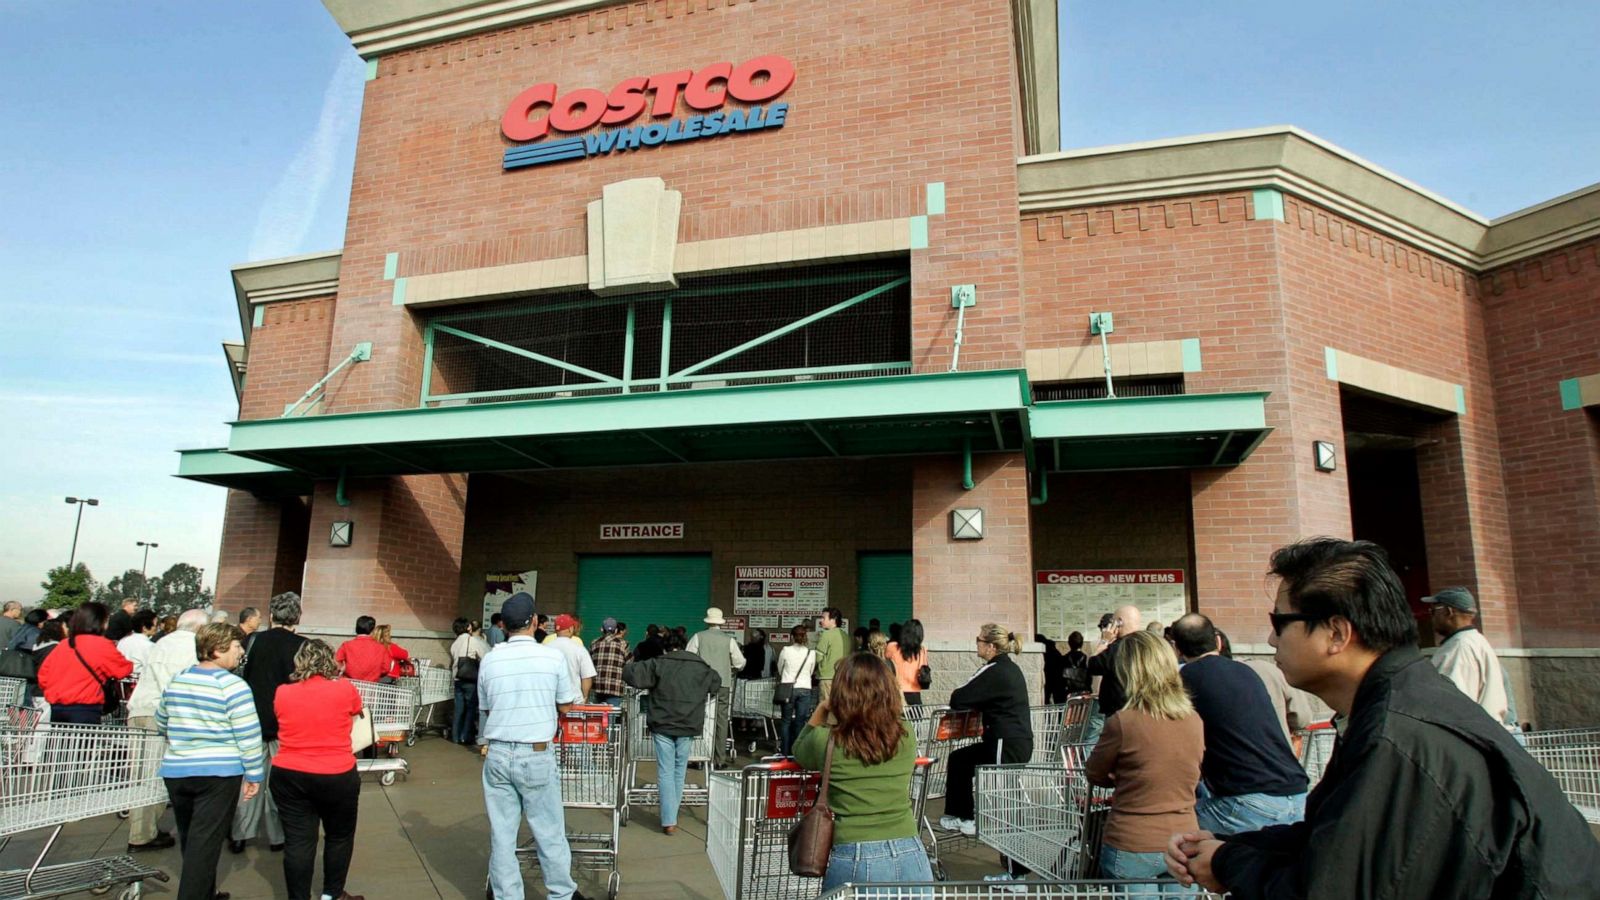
point(399, 659)
point(73, 677)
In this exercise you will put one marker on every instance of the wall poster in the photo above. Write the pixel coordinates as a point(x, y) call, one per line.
point(499, 586)
point(776, 598)
point(1068, 600)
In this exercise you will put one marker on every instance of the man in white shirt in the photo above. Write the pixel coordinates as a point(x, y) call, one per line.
point(171, 655)
point(571, 646)
point(136, 646)
point(1465, 657)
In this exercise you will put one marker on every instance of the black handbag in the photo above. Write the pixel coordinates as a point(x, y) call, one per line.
point(467, 666)
point(811, 839)
point(924, 677)
point(111, 687)
point(19, 664)
point(783, 691)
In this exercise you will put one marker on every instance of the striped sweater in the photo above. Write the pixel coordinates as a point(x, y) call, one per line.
point(209, 718)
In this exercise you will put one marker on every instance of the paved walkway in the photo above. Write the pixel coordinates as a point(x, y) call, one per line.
point(427, 837)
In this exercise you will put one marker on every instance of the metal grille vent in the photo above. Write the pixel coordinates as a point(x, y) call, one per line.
point(1095, 389)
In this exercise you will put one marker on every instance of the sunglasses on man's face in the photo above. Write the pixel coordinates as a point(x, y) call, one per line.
point(1281, 620)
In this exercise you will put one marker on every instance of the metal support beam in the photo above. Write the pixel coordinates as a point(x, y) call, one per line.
point(999, 435)
point(666, 341)
point(393, 457)
point(522, 453)
point(360, 353)
point(627, 350)
point(339, 496)
point(678, 453)
point(793, 326)
point(1222, 448)
point(966, 464)
point(823, 439)
point(427, 363)
point(528, 354)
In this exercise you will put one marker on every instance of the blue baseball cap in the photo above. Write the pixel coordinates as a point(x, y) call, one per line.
point(517, 611)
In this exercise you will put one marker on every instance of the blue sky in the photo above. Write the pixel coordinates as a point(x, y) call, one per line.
point(148, 146)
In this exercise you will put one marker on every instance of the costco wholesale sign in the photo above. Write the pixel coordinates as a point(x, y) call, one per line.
point(542, 109)
point(777, 598)
point(1068, 600)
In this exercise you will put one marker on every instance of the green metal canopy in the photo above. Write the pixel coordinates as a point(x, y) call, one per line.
point(1188, 431)
point(897, 415)
point(222, 468)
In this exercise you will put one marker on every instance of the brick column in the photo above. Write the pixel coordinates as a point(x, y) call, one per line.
point(403, 566)
point(959, 585)
point(263, 549)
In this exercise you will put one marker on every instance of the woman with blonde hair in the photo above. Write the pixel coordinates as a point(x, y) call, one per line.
point(1000, 693)
point(877, 644)
point(1150, 753)
point(875, 836)
point(314, 777)
point(399, 657)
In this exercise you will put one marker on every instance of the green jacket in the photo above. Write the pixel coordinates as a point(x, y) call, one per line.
point(832, 646)
point(870, 803)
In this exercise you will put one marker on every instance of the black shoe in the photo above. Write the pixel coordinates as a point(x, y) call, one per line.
point(159, 842)
point(236, 846)
point(222, 895)
point(275, 848)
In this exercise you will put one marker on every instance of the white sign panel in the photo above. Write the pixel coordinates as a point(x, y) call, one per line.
point(778, 597)
point(1068, 600)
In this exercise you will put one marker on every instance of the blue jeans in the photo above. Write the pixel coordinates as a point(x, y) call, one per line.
point(1121, 864)
point(795, 714)
point(672, 761)
point(868, 862)
point(463, 727)
point(1248, 812)
point(519, 781)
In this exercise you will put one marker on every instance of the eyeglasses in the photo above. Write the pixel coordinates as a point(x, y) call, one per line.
point(1279, 620)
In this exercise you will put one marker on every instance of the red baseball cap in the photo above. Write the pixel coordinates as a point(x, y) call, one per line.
point(566, 621)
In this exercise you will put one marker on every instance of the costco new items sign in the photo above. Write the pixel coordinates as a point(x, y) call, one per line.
point(543, 109)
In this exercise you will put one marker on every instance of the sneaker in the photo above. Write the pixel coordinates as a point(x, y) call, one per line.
point(1004, 882)
point(969, 827)
point(949, 823)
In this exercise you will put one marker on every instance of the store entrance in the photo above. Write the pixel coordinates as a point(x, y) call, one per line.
point(666, 589)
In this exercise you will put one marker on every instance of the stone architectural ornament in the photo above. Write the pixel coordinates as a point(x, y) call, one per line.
point(633, 237)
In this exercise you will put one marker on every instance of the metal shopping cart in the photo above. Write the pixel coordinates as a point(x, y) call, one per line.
point(747, 828)
point(1075, 723)
point(1037, 890)
point(1561, 737)
point(1049, 723)
point(12, 691)
point(394, 711)
point(752, 702)
point(948, 730)
point(433, 686)
point(55, 774)
point(1315, 747)
point(1574, 760)
point(642, 749)
point(920, 718)
point(1048, 818)
point(591, 751)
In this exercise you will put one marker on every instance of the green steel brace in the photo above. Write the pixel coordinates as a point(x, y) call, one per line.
point(966, 464)
point(339, 495)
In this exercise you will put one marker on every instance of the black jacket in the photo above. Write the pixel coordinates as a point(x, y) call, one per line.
point(679, 683)
point(1104, 664)
point(1001, 693)
point(267, 668)
point(1425, 796)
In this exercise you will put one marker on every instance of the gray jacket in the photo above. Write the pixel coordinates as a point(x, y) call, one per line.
point(679, 684)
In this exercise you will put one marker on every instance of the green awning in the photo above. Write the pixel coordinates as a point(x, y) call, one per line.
point(865, 417)
point(1186, 431)
point(222, 468)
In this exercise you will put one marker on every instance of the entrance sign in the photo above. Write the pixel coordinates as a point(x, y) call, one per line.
point(542, 109)
point(642, 532)
point(1068, 600)
point(776, 598)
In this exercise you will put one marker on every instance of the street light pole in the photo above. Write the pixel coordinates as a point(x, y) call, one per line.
point(144, 583)
point(88, 501)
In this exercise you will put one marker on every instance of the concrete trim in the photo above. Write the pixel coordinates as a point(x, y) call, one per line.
point(773, 248)
point(1287, 159)
point(238, 357)
point(1577, 393)
point(1037, 32)
point(377, 27)
point(289, 278)
point(1128, 358)
point(1393, 381)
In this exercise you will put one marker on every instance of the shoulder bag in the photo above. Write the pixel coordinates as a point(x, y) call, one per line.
point(783, 692)
point(467, 665)
point(812, 838)
point(362, 733)
point(110, 687)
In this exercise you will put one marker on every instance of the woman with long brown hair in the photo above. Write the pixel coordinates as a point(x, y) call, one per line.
point(875, 837)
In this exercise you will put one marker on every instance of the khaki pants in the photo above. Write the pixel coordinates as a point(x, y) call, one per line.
point(824, 691)
point(143, 822)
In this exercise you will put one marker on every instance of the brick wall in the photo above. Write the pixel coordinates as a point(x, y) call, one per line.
point(888, 97)
point(1543, 327)
point(404, 561)
point(288, 353)
point(962, 584)
point(263, 549)
point(779, 513)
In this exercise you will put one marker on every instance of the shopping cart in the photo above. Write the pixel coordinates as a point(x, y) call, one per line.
point(394, 711)
point(642, 749)
point(433, 686)
point(1574, 761)
point(1315, 748)
point(920, 718)
point(752, 701)
point(1531, 739)
point(12, 690)
point(55, 774)
point(747, 828)
point(591, 751)
point(1049, 723)
point(1038, 890)
point(948, 730)
point(1048, 818)
point(1075, 724)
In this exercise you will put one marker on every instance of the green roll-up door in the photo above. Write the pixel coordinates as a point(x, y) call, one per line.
point(883, 583)
point(667, 589)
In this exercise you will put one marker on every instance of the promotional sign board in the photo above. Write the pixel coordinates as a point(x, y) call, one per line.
point(789, 797)
point(1068, 600)
point(499, 586)
point(776, 598)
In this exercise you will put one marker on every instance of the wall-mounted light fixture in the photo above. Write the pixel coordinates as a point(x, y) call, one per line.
point(1323, 456)
point(341, 534)
point(966, 524)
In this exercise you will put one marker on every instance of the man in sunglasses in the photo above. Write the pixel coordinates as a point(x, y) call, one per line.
point(1425, 796)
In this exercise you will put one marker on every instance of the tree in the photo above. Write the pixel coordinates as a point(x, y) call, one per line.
point(130, 585)
point(179, 589)
point(66, 588)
